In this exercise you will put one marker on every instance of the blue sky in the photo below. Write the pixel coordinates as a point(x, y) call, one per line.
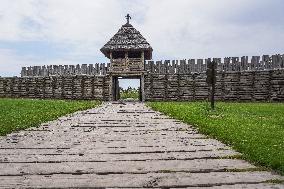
point(40, 32)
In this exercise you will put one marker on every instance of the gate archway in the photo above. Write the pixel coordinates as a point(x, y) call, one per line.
point(115, 87)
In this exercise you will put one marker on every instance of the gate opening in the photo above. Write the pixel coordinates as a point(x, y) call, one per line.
point(128, 89)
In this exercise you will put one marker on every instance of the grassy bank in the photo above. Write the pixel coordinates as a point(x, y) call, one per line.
point(254, 129)
point(18, 114)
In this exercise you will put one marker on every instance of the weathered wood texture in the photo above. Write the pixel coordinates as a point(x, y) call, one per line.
point(66, 70)
point(61, 87)
point(127, 64)
point(123, 145)
point(261, 79)
point(229, 64)
point(231, 86)
point(240, 86)
point(127, 39)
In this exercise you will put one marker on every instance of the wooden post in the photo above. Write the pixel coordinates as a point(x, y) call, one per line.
point(72, 87)
point(143, 60)
point(126, 61)
point(111, 89)
point(178, 89)
point(12, 87)
point(193, 86)
point(53, 86)
point(82, 87)
point(166, 87)
point(44, 87)
point(103, 89)
point(223, 86)
point(142, 87)
point(239, 85)
point(151, 85)
point(62, 87)
point(93, 86)
point(211, 79)
point(116, 89)
point(212, 97)
point(213, 87)
point(110, 57)
point(269, 92)
point(253, 86)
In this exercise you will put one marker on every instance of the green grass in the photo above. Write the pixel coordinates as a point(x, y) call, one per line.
point(134, 94)
point(254, 129)
point(18, 114)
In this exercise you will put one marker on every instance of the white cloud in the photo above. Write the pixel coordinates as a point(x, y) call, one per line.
point(199, 29)
point(62, 20)
point(175, 28)
point(11, 64)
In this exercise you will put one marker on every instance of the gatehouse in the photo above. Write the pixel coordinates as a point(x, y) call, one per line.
point(127, 50)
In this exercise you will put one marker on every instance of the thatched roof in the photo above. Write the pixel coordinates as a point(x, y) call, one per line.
point(127, 39)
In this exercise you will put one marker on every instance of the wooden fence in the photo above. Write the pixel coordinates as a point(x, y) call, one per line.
point(230, 86)
point(228, 64)
point(57, 87)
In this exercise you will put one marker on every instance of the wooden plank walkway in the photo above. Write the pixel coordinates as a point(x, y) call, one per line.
point(122, 145)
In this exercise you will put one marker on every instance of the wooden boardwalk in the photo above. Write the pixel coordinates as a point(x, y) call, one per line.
point(122, 145)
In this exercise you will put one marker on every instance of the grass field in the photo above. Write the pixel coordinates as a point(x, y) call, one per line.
point(18, 114)
point(254, 129)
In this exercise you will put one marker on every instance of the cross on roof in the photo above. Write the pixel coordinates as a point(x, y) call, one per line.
point(127, 18)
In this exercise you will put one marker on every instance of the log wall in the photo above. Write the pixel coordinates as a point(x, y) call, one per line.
point(227, 64)
point(230, 86)
point(238, 79)
point(63, 87)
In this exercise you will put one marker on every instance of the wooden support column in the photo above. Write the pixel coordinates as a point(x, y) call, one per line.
point(111, 88)
point(35, 85)
point(12, 87)
point(53, 86)
point(223, 86)
point(72, 87)
point(151, 85)
point(62, 87)
point(126, 61)
point(178, 89)
point(253, 87)
point(239, 86)
point(104, 90)
point(193, 87)
point(83, 87)
point(269, 91)
point(166, 87)
point(142, 87)
point(143, 60)
point(44, 87)
point(117, 91)
point(93, 87)
point(111, 61)
point(110, 56)
point(26, 86)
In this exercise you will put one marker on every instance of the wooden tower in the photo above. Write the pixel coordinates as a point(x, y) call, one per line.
point(127, 51)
